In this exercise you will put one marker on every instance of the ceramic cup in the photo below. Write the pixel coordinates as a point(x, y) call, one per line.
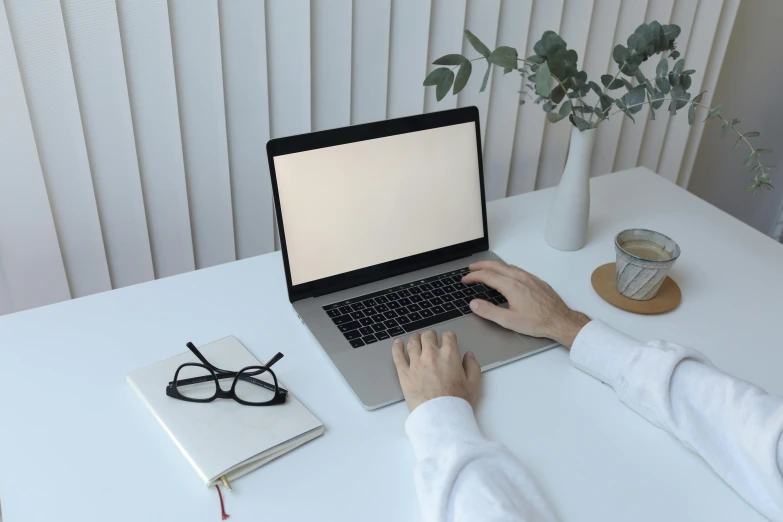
point(644, 258)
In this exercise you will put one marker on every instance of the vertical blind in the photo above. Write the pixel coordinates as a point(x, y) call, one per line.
point(132, 132)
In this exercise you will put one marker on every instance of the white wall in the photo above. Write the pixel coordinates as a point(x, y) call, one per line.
point(749, 86)
point(132, 132)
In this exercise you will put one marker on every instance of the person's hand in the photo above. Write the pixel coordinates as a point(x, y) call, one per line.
point(435, 371)
point(533, 307)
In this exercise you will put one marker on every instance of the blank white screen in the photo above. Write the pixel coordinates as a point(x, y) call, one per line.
point(357, 205)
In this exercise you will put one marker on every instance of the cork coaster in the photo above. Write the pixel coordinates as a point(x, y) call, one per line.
point(604, 284)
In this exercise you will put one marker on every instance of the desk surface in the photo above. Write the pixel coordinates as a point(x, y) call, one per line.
point(76, 444)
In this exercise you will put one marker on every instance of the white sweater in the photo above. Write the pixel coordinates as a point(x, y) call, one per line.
point(735, 426)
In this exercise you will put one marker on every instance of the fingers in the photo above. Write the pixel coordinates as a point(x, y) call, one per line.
point(501, 268)
point(449, 348)
point(494, 313)
point(414, 348)
point(499, 282)
point(398, 354)
point(429, 343)
point(472, 370)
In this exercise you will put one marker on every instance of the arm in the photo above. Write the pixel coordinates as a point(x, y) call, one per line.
point(460, 475)
point(735, 426)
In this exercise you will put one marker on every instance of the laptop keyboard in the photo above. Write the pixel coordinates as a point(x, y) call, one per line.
point(406, 308)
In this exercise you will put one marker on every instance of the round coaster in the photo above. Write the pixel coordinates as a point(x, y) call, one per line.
point(604, 284)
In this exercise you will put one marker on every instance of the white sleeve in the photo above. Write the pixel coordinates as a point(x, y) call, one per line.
point(735, 426)
point(462, 476)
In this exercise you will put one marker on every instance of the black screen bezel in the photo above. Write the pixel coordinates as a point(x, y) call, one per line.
point(368, 131)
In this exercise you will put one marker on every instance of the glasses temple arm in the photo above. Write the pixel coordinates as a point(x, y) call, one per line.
point(204, 361)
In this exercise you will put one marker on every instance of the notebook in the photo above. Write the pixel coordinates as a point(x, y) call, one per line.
point(223, 437)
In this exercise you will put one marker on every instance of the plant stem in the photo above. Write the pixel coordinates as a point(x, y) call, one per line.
point(472, 60)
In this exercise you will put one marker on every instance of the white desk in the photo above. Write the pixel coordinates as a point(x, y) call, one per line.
point(76, 444)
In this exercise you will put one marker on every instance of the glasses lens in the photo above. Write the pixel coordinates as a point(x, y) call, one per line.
point(196, 382)
point(249, 387)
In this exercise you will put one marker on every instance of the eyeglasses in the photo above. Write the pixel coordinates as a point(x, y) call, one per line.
point(194, 382)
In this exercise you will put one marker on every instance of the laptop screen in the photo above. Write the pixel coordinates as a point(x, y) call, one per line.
point(360, 204)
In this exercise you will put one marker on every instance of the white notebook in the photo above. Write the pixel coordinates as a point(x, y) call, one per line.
point(223, 437)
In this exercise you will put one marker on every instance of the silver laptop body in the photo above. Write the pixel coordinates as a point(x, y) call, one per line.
point(378, 223)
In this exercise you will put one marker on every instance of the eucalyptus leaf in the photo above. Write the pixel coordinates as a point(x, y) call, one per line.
point(688, 72)
point(652, 110)
point(679, 66)
point(482, 49)
point(715, 111)
point(436, 76)
point(557, 68)
point(504, 56)
point(557, 94)
point(581, 123)
point(554, 117)
point(620, 54)
point(595, 87)
point(685, 81)
point(671, 31)
point(634, 99)
point(749, 160)
point(450, 59)
point(663, 85)
point(564, 111)
point(657, 100)
point(697, 98)
point(691, 114)
point(663, 67)
point(751, 134)
point(763, 151)
point(724, 129)
point(486, 78)
point(640, 76)
point(543, 80)
point(606, 102)
point(462, 76)
point(737, 143)
point(443, 87)
point(548, 106)
point(674, 55)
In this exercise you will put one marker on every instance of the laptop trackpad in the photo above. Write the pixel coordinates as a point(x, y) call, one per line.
point(371, 369)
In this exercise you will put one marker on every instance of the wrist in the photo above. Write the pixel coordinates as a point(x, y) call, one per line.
point(568, 327)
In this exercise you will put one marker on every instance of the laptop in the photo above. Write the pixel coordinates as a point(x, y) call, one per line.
point(378, 223)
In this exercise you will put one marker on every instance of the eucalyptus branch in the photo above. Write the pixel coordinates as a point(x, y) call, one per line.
point(753, 151)
point(553, 59)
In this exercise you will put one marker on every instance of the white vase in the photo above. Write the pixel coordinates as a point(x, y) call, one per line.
point(567, 226)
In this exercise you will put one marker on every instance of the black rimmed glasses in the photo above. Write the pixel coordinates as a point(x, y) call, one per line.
point(200, 382)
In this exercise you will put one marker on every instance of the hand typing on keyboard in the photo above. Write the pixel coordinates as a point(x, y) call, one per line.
point(534, 308)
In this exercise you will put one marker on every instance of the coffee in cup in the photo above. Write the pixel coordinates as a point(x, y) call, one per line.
point(644, 258)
